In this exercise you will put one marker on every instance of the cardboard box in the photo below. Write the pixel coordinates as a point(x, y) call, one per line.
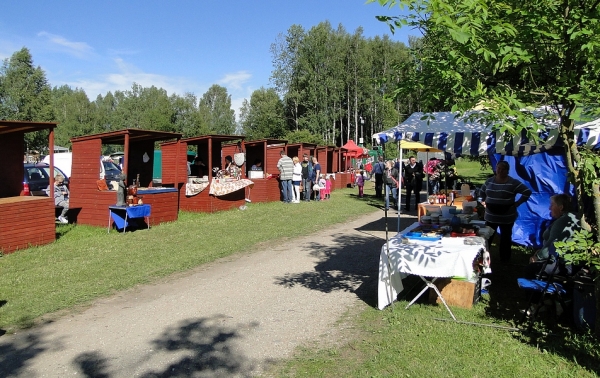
point(456, 293)
point(255, 174)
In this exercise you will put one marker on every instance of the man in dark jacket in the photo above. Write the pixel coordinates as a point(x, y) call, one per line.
point(413, 181)
point(378, 169)
point(307, 177)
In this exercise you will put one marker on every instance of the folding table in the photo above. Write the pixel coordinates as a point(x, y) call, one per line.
point(446, 257)
point(122, 215)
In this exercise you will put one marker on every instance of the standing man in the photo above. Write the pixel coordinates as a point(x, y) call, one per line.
point(499, 195)
point(413, 181)
point(316, 175)
point(378, 169)
point(286, 171)
point(307, 171)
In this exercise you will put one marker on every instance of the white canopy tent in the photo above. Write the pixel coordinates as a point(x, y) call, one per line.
point(460, 136)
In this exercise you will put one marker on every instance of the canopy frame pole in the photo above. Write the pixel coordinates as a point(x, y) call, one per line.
point(399, 201)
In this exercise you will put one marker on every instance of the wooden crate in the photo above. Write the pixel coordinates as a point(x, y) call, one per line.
point(456, 293)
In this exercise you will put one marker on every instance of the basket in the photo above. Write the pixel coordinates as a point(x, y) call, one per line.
point(239, 158)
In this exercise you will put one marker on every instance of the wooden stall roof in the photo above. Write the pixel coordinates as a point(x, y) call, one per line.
point(215, 137)
point(135, 135)
point(303, 144)
point(7, 127)
point(267, 141)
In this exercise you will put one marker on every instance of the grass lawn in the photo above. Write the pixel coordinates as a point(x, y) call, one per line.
point(86, 263)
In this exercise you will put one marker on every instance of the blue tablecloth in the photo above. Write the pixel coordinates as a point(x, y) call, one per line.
point(117, 214)
point(155, 191)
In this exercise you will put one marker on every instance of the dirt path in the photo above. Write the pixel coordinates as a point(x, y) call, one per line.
point(229, 318)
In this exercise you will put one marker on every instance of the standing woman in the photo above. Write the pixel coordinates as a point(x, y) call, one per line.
point(296, 179)
point(390, 182)
point(499, 195)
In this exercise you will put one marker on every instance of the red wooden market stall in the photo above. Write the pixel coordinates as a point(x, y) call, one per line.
point(266, 185)
point(195, 190)
point(138, 147)
point(299, 149)
point(341, 176)
point(24, 220)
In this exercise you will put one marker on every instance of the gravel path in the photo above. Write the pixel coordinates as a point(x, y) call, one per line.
point(228, 318)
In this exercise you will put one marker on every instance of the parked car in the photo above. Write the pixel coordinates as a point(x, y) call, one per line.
point(36, 178)
point(111, 172)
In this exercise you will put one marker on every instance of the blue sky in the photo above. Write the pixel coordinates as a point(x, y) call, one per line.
point(179, 45)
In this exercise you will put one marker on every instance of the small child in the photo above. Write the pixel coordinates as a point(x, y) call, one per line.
point(360, 182)
point(322, 185)
point(328, 185)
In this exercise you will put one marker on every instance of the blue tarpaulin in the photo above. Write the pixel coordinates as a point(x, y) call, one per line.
point(545, 174)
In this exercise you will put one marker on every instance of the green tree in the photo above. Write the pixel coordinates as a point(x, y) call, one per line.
point(263, 116)
point(508, 55)
point(185, 115)
point(215, 111)
point(104, 113)
point(285, 53)
point(73, 112)
point(25, 95)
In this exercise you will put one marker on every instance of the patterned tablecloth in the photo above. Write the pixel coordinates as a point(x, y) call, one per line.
point(222, 187)
point(193, 189)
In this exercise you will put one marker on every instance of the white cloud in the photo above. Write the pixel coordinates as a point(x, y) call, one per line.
point(235, 81)
point(78, 49)
point(125, 74)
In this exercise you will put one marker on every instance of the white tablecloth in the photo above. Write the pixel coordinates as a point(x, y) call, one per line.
point(448, 257)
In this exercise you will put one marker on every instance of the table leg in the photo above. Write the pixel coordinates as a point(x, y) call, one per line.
point(430, 284)
point(109, 218)
point(125, 225)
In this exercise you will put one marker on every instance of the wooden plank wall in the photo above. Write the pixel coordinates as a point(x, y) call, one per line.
point(322, 158)
point(272, 158)
point(11, 169)
point(85, 171)
point(25, 222)
point(164, 207)
point(265, 190)
point(169, 162)
point(345, 180)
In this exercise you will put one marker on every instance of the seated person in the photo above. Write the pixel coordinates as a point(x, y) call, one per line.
point(257, 166)
point(61, 197)
point(197, 169)
point(230, 168)
point(562, 228)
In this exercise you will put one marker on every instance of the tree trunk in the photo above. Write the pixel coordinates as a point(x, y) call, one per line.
point(596, 193)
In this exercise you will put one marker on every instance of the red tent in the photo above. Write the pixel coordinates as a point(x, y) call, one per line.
point(355, 151)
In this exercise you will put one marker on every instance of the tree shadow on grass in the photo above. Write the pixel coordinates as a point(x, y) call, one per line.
point(506, 302)
point(196, 348)
point(348, 263)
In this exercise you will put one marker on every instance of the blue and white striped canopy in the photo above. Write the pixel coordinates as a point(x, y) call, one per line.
point(459, 136)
